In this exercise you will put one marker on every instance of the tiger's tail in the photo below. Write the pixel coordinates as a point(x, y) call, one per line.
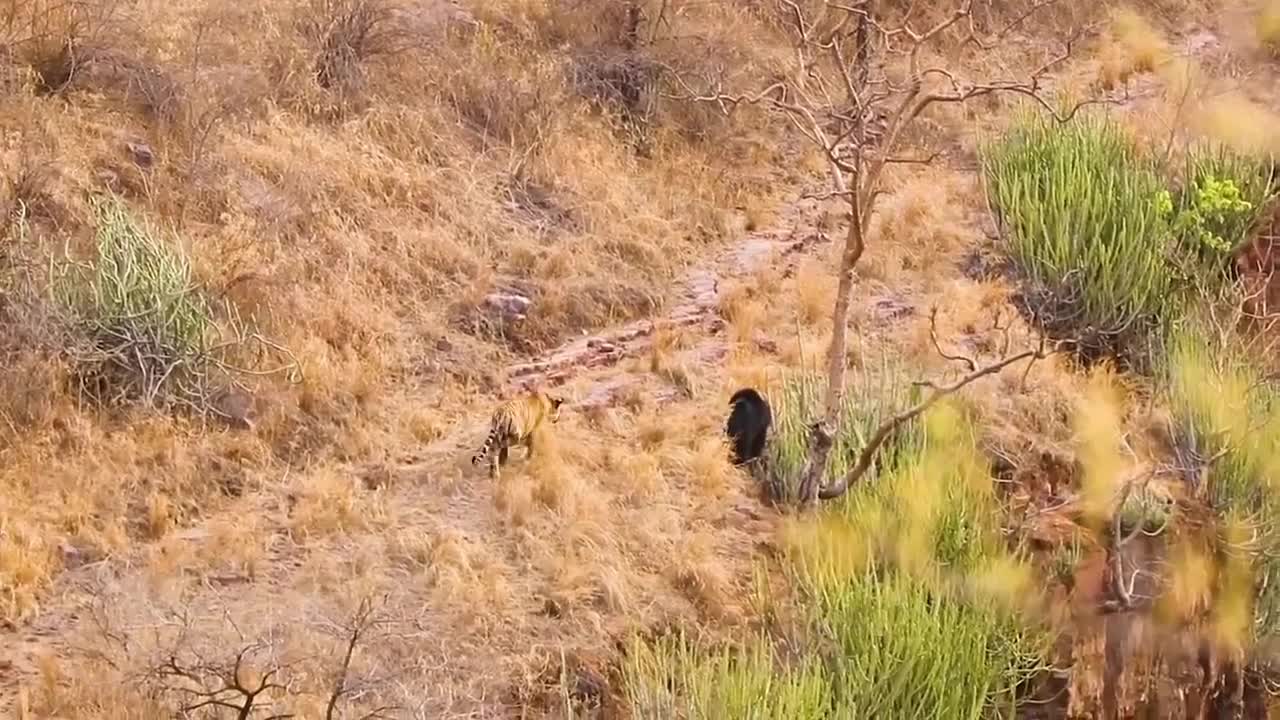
point(489, 442)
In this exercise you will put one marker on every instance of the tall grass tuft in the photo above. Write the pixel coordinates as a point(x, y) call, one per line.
point(1228, 435)
point(906, 651)
point(671, 678)
point(141, 330)
point(912, 601)
point(1079, 204)
point(870, 398)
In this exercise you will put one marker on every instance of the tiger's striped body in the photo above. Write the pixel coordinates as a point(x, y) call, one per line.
point(514, 423)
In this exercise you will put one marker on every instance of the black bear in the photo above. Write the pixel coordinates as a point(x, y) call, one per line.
point(748, 425)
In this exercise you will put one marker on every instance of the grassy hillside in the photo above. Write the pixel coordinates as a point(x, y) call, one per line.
point(335, 189)
point(264, 272)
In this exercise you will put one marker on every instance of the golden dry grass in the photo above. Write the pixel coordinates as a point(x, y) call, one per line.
point(361, 218)
point(1267, 25)
point(1133, 47)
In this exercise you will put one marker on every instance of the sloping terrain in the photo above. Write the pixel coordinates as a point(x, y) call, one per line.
point(432, 218)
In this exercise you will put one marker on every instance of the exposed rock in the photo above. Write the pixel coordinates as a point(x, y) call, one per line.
point(889, 308)
point(71, 556)
point(142, 154)
point(236, 407)
point(764, 344)
point(512, 307)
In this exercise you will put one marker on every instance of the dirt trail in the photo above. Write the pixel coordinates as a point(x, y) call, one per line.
point(415, 487)
point(696, 304)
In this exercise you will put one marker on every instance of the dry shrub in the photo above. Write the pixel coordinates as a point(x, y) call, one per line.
point(1132, 47)
point(346, 35)
point(556, 484)
point(25, 196)
point(740, 306)
point(59, 40)
point(653, 431)
point(703, 578)
point(32, 372)
point(640, 476)
point(1267, 26)
point(919, 227)
point(513, 497)
point(516, 100)
point(28, 562)
point(709, 465)
point(234, 546)
point(328, 502)
point(1239, 122)
point(815, 289)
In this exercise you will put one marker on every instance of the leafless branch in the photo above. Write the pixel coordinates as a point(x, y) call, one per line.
point(364, 620)
point(1122, 590)
point(936, 392)
point(933, 338)
point(220, 685)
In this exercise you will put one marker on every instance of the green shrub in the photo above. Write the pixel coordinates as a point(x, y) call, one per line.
point(1113, 256)
point(890, 633)
point(1079, 205)
point(1222, 193)
point(144, 327)
point(906, 651)
point(870, 398)
point(1226, 413)
point(925, 623)
point(141, 330)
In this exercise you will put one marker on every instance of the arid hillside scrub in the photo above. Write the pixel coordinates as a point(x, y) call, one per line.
point(368, 206)
point(266, 269)
point(1136, 576)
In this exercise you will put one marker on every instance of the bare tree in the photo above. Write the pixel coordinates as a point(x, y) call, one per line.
point(859, 81)
point(223, 685)
point(363, 622)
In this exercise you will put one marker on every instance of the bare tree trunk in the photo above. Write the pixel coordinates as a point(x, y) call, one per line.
point(821, 436)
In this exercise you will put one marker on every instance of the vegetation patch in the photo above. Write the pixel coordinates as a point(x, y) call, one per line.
point(1227, 433)
point(1220, 199)
point(909, 584)
point(1111, 254)
point(869, 400)
point(1079, 204)
point(141, 330)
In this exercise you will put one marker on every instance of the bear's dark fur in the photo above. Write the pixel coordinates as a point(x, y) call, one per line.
point(748, 425)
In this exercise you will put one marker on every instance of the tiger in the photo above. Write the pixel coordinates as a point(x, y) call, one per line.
point(514, 423)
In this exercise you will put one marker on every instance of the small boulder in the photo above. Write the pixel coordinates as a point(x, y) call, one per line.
point(236, 407)
point(141, 153)
point(510, 306)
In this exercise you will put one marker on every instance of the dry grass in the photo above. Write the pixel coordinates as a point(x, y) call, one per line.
point(1267, 25)
point(1133, 47)
point(356, 178)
